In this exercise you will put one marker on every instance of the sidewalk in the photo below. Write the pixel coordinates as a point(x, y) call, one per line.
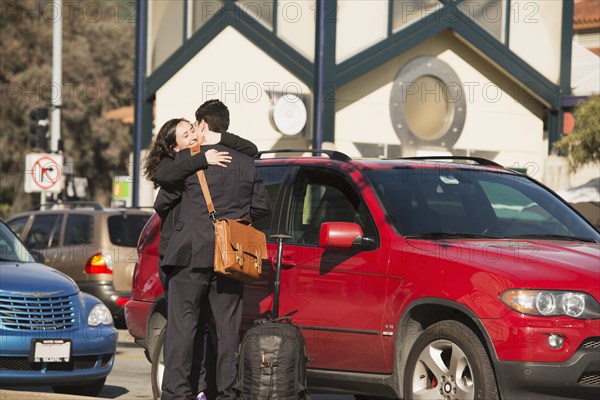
point(19, 395)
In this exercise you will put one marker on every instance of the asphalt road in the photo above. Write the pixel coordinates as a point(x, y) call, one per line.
point(130, 377)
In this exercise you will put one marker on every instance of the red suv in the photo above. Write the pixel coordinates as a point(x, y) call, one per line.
point(419, 278)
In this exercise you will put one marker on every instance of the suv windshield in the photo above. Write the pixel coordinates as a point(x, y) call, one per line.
point(11, 249)
point(470, 202)
point(124, 230)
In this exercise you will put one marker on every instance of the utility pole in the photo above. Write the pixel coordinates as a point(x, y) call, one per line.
point(56, 77)
point(140, 79)
point(56, 101)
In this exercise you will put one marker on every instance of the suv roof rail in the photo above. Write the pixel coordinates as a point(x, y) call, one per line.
point(133, 207)
point(333, 154)
point(70, 205)
point(124, 209)
point(478, 160)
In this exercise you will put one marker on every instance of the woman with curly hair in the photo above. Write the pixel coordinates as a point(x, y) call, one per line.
point(177, 134)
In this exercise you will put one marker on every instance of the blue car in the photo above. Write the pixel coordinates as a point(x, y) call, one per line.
point(51, 334)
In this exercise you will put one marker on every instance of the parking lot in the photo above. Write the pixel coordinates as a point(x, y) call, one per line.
point(129, 379)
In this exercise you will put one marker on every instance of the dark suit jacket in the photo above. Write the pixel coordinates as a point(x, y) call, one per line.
point(170, 174)
point(237, 192)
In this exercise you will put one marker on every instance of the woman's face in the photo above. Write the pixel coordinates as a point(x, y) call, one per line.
point(185, 136)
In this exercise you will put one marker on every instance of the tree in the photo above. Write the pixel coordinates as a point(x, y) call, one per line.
point(582, 145)
point(98, 76)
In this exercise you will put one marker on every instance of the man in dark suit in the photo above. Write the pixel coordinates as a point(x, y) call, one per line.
point(237, 192)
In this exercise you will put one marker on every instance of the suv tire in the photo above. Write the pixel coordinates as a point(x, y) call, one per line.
point(448, 361)
point(158, 364)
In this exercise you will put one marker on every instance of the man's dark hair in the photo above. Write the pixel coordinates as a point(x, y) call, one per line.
point(215, 114)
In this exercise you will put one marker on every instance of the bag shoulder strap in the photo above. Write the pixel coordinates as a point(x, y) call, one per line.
point(204, 185)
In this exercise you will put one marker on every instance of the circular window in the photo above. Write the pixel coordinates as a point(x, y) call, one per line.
point(428, 120)
point(427, 104)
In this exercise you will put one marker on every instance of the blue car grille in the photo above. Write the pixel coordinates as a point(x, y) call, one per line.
point(32, 313)
point(77, 362)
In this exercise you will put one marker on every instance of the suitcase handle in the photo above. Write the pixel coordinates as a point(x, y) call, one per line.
point(280, 239)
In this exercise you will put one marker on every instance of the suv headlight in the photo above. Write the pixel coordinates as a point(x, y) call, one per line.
point(100, 314)
point(551, 303)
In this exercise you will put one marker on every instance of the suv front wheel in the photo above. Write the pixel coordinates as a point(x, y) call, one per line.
point(448, 361)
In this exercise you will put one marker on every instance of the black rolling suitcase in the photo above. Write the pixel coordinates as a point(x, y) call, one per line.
point(272, 363)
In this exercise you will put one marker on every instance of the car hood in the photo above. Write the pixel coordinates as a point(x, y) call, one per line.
point(34, 278)
point(541, 264)
point(545, 264)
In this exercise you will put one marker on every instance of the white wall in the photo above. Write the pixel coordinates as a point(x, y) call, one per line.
point(165, 31)
point(495, 121)
point(535, 35)
point(237, 72)
point(360, 24)
point(296, 25)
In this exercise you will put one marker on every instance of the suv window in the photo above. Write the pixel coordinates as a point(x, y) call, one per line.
point(124, 230)
point(44, 232)
point(454, 201)
point(325, 196)
point(273, 179)
point(509, 203)
point(18, 224)
point(79, 229)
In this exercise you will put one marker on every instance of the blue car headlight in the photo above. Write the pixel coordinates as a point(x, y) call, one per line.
point(99, 314)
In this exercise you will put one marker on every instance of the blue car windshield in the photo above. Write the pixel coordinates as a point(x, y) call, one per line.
point(471, 202)
point(11, 248)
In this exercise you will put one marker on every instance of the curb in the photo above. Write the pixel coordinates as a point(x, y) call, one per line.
point(18, 395)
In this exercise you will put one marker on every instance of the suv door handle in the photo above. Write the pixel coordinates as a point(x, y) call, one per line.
point(286, 262)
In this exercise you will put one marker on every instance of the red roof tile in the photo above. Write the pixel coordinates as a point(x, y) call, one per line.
point(586, 15)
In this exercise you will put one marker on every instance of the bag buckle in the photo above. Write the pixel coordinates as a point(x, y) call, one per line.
point(212, 217)
point(239, 255)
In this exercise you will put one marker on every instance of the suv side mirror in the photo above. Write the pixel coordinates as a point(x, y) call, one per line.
point(341, 235)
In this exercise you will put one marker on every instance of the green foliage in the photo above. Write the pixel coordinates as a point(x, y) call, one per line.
point(582, 145)
point(98, 76)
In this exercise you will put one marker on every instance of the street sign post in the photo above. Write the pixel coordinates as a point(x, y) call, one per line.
point(43, 173)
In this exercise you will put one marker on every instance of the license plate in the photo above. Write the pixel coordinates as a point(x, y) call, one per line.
point(50, 350)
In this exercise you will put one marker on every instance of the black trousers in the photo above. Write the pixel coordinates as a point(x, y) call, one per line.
point(201, 340)
point(188, 288)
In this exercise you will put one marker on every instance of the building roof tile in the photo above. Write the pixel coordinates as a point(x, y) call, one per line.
point(586, 15)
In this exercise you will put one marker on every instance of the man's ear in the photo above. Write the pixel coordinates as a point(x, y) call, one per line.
point(203, 126)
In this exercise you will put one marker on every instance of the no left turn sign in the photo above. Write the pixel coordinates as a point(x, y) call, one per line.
point(43, 173)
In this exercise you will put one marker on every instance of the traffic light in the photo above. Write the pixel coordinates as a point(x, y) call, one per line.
point(38, 133)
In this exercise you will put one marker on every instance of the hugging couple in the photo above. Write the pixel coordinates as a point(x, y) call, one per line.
point(186, 247)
